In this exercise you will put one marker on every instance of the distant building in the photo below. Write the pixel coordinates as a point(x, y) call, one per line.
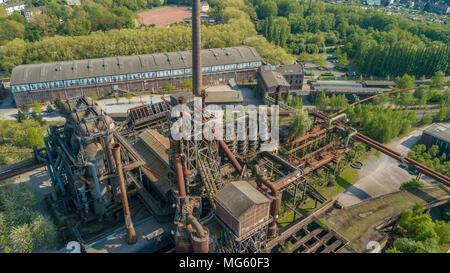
point(204, 7)
point(373, 2)
point(11, 7)
point(223, 95)
point(141, 73)
point(378, 84)
point(282, 78)
point(73, 2)
point(437, 134)
point(29, 13)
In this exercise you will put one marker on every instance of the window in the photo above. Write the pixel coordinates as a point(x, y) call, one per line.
point(104, 79)
point(148, 75)
point(87, 81)
point(18, 88)
point(165, 73)
point(218, 68)
point(134, 76)
point(243, 65)
point(37, 86)
point(206, 69)
point(72, 83)
point(188, 71)
point(57, 84)
point(177, 72)
point(255, 64)
point(118, 78)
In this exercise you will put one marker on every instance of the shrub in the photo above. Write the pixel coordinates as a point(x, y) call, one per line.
point(413, 184)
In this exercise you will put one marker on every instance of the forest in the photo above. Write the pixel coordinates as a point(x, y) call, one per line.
point(416, 232)
point(378, 44)
point(372, 42)
point(431, 157)
point(144, 40)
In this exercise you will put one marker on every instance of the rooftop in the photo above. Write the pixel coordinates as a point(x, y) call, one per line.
point(238, 197)
point(439, 131)
point(223, 94)
point(273, 79)
point(108, 66)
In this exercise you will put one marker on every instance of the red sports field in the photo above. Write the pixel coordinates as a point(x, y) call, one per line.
point(164, 16)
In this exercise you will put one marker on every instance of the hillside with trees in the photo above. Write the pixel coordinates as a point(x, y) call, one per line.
point(378, 44)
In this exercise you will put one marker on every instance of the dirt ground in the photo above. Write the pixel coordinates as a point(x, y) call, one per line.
point(164, 16)
point(357, 223)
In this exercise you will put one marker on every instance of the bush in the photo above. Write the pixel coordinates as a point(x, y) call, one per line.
point(413, 184)
point(22, 228)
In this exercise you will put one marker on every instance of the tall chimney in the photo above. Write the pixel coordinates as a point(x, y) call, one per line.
point(196, 47)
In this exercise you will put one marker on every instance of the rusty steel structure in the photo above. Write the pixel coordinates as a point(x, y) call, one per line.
point(131, 233)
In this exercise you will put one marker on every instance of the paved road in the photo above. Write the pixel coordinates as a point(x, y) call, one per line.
point(382, 175)
point(8, 110)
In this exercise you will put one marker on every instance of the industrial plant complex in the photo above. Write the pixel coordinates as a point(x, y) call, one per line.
point(128, 184)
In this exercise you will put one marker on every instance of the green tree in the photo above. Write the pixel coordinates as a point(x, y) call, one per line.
point(300, 123)
point(267, 9)
point(168, 87)
point(21, 116)
point(129, 96)
point(322, 101)
point(187, 84)
point(438, 78)
point(404, 81)
point(117, 98)
point(37, 107)
point(427, 119)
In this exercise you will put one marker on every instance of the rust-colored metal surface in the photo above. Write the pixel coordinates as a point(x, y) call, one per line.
point(131, 233)
point(230, 156)
point(196, 47)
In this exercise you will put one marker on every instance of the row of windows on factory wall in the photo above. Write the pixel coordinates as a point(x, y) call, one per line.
point(134, 76)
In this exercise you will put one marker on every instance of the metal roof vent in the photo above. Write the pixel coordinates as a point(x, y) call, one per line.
point(58, 68)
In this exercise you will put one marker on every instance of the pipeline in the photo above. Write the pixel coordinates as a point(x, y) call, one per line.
point(316, 132)
point(230, 156)
point(421, 168)
point(374, 96)
point(97, 186)
point(343, 115)
point(276, 200)
point(352, 133)
point(131, 233)
point(179, 174)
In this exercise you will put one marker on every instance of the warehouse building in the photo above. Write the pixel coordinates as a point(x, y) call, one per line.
point(282, 78)
point(140, 73)
point(437, 134)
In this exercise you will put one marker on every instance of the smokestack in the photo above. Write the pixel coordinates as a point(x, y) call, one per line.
point(196, 47)
point(131, 233)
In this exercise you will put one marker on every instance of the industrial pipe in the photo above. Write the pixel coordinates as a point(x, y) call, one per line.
point(336, 118)
point(352, 133)
point(230, 156)
point(314, 133)
point(97, 186)
point(131, 233)
point(276, 200)
point(179, 174)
